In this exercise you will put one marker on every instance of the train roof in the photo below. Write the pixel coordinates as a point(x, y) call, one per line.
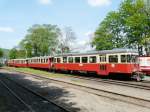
point(40, 57)
point(113, 51)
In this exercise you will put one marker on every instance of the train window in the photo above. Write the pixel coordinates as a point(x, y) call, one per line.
point(102, 58)
point(92, 59)
point(58, 60)
point(52, 59)
point(123, 58)
point(84, 59)
point(77, 59)
point(70, 60)
point(133, 58)
point(64, 59)
point(128, 58)
point(46, 60)
point(55, 60)
point(113, 58)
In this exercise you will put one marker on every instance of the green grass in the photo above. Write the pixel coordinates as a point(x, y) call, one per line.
point(37, 72)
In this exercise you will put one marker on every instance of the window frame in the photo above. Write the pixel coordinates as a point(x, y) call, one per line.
point(112, 55)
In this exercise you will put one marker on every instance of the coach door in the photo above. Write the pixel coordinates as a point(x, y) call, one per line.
point(103, 67)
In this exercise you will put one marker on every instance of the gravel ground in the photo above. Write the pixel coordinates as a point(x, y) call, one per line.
point(147, 78)
point(36, 103)
point(78, 100)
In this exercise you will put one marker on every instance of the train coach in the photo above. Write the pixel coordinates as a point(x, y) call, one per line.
point(118, 61)
point(18, 63)
point(40, 62)
point(144, 64)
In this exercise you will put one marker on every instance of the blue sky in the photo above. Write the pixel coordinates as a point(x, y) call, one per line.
point(84, 16)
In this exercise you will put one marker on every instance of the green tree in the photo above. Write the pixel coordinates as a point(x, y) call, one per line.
point(1, 53)
point(40, 40)
point(127, 27)
point(13, 53)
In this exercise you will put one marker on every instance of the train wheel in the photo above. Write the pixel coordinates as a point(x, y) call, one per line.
point(137, 76)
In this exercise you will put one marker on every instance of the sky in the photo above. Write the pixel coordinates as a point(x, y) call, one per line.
point(84, 16)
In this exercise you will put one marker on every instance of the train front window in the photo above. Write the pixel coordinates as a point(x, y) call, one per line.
point(128, 58)
point(113, 58)
point(133, 58)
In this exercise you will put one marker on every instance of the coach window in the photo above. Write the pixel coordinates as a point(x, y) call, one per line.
point(46, 60)
point(64, 59)
point(84, 59)
point(70, 60)
point(38, 60)
point(123, 58)
point(113, 58)
point(77, 59)
point(92, 59)
point(58, 60)
point(55, 60)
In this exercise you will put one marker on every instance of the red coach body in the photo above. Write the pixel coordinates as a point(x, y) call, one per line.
point(39, 62)
point(20, 63)
point(102, 62)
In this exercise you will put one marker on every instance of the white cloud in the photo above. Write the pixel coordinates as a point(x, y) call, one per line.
point(6, 29)
point(45, 2)
point(89, 34)
point(96, 3)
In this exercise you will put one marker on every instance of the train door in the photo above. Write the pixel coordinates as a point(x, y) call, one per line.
point(102, 66)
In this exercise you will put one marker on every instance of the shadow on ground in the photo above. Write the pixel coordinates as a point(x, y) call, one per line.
point(56, 94)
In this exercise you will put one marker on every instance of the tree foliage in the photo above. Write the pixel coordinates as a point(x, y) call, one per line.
point(1, 53)
point(127, 27)
point(40, 40)
point(13, 53)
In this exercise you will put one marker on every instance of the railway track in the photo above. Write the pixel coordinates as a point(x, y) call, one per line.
point(145, 85)
point(99, 92)
point(46, 104)
point(140, 85)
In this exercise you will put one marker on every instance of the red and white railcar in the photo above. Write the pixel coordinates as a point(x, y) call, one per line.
point(144, 63)
point(19, 63)
point(40, 62)
point(118, 61)
point(10, 63)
